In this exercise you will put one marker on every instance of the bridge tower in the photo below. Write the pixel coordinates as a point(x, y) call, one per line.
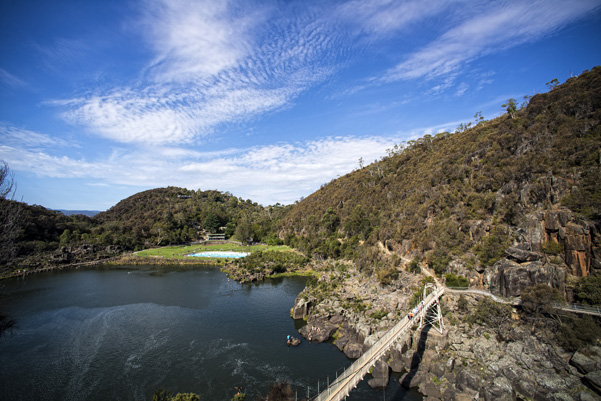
point(433, 314)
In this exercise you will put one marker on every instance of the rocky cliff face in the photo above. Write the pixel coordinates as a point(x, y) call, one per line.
point(550, 246)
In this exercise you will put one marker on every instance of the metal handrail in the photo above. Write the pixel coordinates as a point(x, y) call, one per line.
point(342, 386)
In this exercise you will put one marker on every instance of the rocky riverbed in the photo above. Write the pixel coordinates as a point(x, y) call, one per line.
point(467, 361)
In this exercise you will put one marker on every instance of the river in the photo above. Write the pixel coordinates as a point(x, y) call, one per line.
point(121, 332)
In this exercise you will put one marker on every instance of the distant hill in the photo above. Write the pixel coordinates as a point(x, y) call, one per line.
point(89, 213)
point(175, 215)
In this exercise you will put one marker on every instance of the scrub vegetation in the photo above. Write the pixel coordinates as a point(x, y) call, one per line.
point(453, 201)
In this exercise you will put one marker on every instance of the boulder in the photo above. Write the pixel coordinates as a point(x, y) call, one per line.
point(509, 278)
point(468, 380)
point(586, 396)
point(593, 381)
point(294, 342)
point(396, 360)
point(583, 363)
point(500, 390)
point(318, 330)
point(412, 379)
point(381, 375)
point(429, 389)
point(346, 335)
point(300, 309)
point(521, 255)
point(353, 350)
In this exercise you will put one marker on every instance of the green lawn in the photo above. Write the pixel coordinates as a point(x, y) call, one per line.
point(181, 252)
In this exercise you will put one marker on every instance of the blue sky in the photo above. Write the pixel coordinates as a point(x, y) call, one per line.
point(265, 99)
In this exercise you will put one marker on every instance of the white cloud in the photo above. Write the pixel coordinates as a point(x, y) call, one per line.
point(503, 25)
point(266, 174)
point(10, 79)
point(211, 66)
point(196, 40)
point(379, 17)
point(16, 136)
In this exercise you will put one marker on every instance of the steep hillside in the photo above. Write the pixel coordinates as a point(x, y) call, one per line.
point(528, 181)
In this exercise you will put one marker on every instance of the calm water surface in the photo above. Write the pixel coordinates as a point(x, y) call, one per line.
point(121, 332)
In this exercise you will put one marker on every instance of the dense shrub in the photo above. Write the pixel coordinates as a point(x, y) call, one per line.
point(452, 280)
point(490, 313)
point(588, 290)
point(438, 260)
point(492, 247)
point(279, 262)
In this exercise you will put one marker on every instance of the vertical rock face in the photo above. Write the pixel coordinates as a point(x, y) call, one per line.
point(508, 278)
point(300, 309)
point(578, 239)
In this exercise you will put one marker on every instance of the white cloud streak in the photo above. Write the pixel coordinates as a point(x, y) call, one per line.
point(266, 174)
point(10, 80)
point(503, 25)
point(15, 136)
point(385, 17)
point(211, 66)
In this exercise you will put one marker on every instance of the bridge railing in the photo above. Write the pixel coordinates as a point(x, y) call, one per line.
point(358, 369)
point(594, 309)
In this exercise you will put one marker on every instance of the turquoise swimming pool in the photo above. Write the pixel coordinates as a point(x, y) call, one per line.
point(218, 254)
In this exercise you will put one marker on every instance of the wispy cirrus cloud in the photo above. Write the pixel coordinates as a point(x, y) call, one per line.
point(10, 79)
point(504, 25)
point(384, 17)
point(196, 40)
point(268, 174)
point(16, 136)
point(210, 66)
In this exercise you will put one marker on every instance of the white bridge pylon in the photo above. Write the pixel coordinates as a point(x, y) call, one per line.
point(428, 313)
point(431, 315)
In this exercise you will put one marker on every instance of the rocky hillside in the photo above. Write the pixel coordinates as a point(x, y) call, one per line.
point(512, 206)
point(508, 203)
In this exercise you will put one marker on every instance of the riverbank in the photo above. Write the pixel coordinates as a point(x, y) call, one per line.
point(89, 255)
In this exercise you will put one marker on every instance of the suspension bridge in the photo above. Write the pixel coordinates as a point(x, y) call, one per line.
point(427, 312)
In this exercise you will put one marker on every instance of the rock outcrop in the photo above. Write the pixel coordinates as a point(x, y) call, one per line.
point(576, 239)
point(508, 278)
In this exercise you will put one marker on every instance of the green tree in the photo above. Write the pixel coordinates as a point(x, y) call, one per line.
point(357, 223)
point(413, 266)
point(452, 280)
point(330, 220)
point(492, 246)
point(588, 290)
point(552, 84)
point(230, 229)
point(538, 300)
point(161, 395)
point(10, 215)
point(243, 230)
point(211, 223)
point(511, 107)
point(186, 397)
point(438, 260)
point(66, 237)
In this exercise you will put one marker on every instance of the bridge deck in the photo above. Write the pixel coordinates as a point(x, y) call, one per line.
point(343, 385)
